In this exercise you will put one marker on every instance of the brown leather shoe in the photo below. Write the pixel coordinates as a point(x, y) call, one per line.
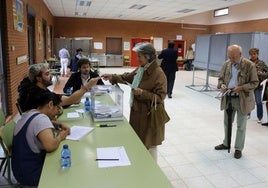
point(221, 147)
point(237, 154)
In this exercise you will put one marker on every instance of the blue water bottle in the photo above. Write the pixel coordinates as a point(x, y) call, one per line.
point(87, 105)
point(69, 91)
point(65, 157)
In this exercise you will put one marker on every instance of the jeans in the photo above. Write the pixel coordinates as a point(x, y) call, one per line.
point(257, 93)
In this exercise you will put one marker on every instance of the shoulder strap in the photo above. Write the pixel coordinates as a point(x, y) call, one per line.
point(30, 119)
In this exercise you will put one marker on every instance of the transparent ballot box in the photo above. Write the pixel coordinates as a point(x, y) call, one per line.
point(106, 103)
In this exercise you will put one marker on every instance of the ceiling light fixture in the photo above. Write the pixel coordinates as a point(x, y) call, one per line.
point(137, 6)
point(185, 10)
point(83, 3)
point(80, 13)
point(221, 12)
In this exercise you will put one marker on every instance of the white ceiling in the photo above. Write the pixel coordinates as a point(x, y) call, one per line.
point(155, 10)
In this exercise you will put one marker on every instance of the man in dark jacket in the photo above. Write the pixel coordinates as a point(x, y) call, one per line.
point(169, 65)
point(38, 80)
point(80, 78)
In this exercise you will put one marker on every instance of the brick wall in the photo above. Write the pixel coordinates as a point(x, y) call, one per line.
point(240, 27)
point(16, 44)
point(99, 29)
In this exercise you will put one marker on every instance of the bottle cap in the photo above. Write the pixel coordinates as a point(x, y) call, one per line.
point(65, 146)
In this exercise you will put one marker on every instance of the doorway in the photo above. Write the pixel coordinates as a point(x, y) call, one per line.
point(3, 81)
point(44, 29)
point(31, 34)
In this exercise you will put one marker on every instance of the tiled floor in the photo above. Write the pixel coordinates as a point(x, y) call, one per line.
point(187, 156)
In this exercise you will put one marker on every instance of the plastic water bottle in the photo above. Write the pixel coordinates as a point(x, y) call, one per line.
point(69, 91)
point(87, 105)
point(65, 157)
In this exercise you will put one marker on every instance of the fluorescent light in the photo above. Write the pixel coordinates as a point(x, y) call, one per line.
point(221, 12)
point(80, 13)
point(83, 3)
point(185, 10)
point(137, 6)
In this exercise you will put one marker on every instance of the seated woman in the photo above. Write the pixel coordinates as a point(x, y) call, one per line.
point(80, 78)
point(34, 137)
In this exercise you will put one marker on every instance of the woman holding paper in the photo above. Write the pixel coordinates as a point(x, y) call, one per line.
point(147, 81)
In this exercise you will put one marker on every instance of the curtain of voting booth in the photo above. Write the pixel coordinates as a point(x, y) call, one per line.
point(211, 50)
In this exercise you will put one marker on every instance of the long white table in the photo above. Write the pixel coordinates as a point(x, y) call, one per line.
point(84, 172)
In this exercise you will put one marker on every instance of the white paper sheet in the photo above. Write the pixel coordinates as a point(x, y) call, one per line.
point(112, 153)
point(78, 132)
point(104, 87)
point(73, 115)
point(80, 111)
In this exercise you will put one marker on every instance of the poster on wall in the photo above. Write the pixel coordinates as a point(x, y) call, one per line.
point(158, 43)
point(48, 39)
point(97, 45)
point(39, 29)
point(126, 46)
point(18, 15)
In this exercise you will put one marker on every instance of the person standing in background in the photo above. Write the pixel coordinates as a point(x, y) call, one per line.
point(78, 55)
point(189, 58)
point(169, 66)
point(262, 72)
point(239, 76)
point(64, 61)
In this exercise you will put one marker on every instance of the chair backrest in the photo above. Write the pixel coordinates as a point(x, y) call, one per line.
point(126, 57)
point(19, 108)
point(2, 117)
point(6, 136)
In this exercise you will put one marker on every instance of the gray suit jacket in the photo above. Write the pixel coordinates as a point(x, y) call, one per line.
point(247, 78)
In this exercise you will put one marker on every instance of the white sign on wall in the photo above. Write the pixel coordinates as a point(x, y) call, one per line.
point(98, 45)
point(178, 37)
point(158, 43)
point(126, 45)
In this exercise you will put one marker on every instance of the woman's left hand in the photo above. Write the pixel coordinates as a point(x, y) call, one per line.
point(137, 91)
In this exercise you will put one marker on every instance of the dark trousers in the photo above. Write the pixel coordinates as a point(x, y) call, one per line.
point(189, 65)
point(170, 81)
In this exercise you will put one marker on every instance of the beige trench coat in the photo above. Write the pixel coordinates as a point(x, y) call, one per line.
point(153, 82)
point(247, 78)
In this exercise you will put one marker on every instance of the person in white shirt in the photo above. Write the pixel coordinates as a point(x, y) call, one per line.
point(64, 61)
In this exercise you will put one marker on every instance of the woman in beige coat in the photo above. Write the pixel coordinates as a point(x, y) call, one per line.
point(147, 80)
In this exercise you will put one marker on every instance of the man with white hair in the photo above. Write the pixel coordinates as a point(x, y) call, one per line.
point(238, 78)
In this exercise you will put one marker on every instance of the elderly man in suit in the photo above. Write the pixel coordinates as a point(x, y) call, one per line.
point(239, 76)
